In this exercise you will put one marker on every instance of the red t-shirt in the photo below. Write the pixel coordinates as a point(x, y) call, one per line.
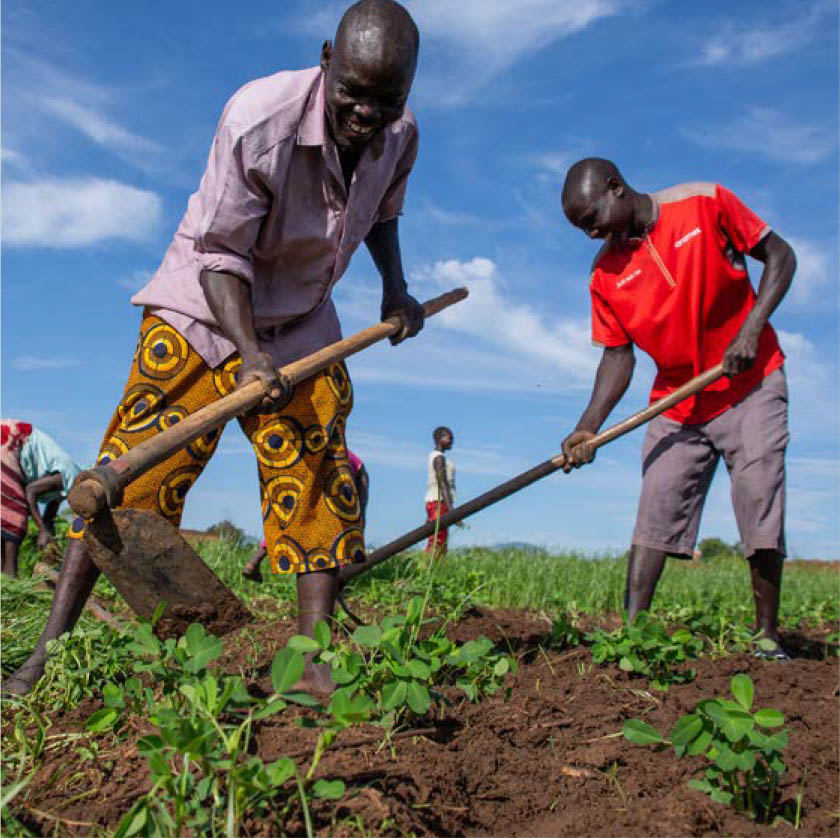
point(682, 292)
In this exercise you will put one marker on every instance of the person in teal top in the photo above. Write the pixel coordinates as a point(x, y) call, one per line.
point(35, 470)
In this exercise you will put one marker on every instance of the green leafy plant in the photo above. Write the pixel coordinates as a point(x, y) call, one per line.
point(397, 672)
point(645, 647)
point(564, 633)
point(203, 778)
point(745, 757)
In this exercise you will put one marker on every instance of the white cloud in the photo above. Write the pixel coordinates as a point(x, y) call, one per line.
point(41, 98)
point(135, 280)
point(473, 41)
point(383, 450)
point(97, 127)
point(552, 165)
point(492, 315)
point(30, 363)
point(490, 342)
point(750, 43)
point(12, 157)
point(76, 213)
point(769, 133)
point(814, 270)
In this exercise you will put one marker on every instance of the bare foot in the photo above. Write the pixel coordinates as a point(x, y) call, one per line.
point(252, 572)
point(21, 682)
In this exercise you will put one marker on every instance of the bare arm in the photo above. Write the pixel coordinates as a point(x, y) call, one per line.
point(779, 264)
point(229, 299)
point(611, 381)
point(384, 245)
point(50, 483)
point(442, 481)
point(363, 488)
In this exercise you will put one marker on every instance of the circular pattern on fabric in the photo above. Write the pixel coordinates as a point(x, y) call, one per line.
point(319, 559)
point(111, 450)
point(173, 490)
point(279, 444)
point(315, 439)
point(341, 496)
point(287, 556)
point(138, 411)
point(164, 352)
point(224, 377)
point(171, 416)
point(205, 445)
point(76, 528)
point(280, 496)
point(337, 445)
point(339, 382)
point(349, 547)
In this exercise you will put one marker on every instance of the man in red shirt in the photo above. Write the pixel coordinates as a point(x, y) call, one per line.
point(672, 279)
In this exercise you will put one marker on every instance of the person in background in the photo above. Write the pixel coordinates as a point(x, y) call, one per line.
point(440, 491)
point(360, 475)
point(35, 469)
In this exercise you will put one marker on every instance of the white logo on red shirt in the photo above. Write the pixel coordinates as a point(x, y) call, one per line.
point(687, 237)
point(624, 280)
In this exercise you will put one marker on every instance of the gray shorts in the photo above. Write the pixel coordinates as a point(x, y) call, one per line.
point(678, 462)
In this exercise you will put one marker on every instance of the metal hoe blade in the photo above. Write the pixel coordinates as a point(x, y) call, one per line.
point(149, 562)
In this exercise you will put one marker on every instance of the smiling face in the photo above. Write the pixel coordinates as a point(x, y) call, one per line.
point(368, 74)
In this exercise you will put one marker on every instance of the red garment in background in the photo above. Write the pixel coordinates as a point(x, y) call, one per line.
point(434, 509)
point(15, 510)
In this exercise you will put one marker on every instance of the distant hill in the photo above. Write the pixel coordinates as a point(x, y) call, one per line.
point(523, 546)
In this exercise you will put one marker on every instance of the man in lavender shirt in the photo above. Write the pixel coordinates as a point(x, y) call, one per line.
point(304, 166)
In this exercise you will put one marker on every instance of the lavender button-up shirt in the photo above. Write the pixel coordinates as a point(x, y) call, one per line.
point(272, 208)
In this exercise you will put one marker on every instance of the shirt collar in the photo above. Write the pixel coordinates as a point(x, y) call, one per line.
point(312, 129)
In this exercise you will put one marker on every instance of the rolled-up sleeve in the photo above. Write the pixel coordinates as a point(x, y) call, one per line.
point(232, 205)
point(391, 204)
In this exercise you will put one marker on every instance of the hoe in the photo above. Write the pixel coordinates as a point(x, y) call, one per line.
point(144, 555)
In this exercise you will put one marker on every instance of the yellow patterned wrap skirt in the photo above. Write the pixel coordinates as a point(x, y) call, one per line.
point(310, 506)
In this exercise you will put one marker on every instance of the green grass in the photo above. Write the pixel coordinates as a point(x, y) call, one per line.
point(521, 579)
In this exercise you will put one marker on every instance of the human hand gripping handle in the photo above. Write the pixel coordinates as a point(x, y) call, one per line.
point(578, 449)
point(408, 310)
point(278, 387)
point(102, 486)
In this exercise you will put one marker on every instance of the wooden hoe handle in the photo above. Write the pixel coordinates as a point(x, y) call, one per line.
point(102, 486)
point(545, 468)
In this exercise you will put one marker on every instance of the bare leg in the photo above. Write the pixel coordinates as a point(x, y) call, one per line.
point(644, 567)
point(316, 600)
point(252, 568)
point(766, 571)
point(75, 582)
point(10, 557)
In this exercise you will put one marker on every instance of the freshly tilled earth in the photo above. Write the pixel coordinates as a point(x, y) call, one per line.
point(542, 757)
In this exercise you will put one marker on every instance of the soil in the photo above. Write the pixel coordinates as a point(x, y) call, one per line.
point(542, 759)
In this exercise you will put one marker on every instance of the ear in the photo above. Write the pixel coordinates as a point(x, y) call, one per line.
point(326, 55)
point(616, 186)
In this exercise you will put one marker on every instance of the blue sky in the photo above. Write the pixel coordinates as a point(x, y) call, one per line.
point(108, 114)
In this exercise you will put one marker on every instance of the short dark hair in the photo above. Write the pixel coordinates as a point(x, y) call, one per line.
point(439, 431)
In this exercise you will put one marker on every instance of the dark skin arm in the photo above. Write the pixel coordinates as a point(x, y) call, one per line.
point(779, 264)
point(611, 381)
point(229, 299)
point(443, 483)
point(363, 488)
point(384, 245)
point(50, 483)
